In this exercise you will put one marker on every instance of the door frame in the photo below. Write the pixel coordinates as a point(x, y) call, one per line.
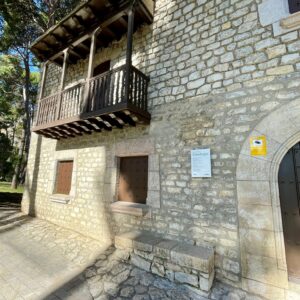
point(259, 210)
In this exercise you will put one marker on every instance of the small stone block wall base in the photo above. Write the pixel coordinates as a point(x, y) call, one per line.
point(179, 262)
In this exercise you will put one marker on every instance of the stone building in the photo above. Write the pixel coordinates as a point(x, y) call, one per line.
point(129, 91)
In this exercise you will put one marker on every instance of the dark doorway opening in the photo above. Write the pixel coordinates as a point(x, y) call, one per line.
point(133, 179)
point(289, 187)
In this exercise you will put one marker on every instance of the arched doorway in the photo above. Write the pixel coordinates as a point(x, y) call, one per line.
point(289, 192)
point(261, 236)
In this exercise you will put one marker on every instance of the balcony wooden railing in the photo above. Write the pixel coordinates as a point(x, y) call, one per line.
point(106, 95)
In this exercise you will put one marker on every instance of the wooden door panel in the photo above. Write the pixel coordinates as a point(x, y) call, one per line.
point(288, 179)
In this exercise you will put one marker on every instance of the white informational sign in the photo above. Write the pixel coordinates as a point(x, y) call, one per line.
point(201, 163)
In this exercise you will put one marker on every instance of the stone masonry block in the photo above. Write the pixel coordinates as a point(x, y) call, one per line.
point(164, 247)
point(206, 283)
point(186, 278)
point(195, 257)
point(125, 240)
point(145, 242)
point(140, 262)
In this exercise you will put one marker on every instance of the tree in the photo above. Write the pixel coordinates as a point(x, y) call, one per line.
point(21, 22)
point(5, 154)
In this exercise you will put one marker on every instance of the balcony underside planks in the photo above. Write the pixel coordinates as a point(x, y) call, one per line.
point(74, 30)
point(78, 126)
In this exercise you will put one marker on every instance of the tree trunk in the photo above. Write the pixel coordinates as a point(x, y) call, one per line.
point(24, 144)
point(15, 179)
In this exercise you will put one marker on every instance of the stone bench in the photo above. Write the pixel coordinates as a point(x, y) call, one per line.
point(179, 262)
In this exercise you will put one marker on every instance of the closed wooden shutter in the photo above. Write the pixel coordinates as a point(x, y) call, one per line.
point(64, 177)
point(294, 6)
point(133, 180)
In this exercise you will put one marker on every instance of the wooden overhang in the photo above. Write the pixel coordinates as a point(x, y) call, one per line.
point(74, 31)
point(108, 103)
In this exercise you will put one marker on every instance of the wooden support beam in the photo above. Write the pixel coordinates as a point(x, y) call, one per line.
point(96, 127)
point(57, 38)
point(70, 129)
point(129, 52)
point(90, 67)
point(73, 52)
point(62, 130)
point(62, 81)
point(42, 88)
point(106, 124)
point(46, 43)
point(110, 32)
point(132, 116)
point(68, 30)
point(89, 126)
point(83, 125)
point(55, 131)
point(79, 128)
point(123, 22)
point(47, 134)
point(79, 20)
point(88, 7)
point(84, 47)
point(120, 121)
point(108, 19)
point(100, 124)
point(112, 121)
point(125, 118)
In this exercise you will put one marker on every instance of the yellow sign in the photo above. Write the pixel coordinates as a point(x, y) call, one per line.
point(258, 145)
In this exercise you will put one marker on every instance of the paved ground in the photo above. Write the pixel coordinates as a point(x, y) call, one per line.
point(37, 257)
point(40, 260)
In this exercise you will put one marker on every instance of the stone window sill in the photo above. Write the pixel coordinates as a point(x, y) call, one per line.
point(60, 198)
point(134, 209)
point(291, 21)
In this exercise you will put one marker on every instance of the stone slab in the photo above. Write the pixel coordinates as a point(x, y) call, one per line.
point(195, 257)
point(145, 242)
point(125, 240)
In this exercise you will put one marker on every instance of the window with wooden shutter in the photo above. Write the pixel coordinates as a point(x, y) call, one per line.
point(294, 6)
point(64, 177)
point(133, 179)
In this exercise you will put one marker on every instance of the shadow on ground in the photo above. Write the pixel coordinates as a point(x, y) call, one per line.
point(10, 198)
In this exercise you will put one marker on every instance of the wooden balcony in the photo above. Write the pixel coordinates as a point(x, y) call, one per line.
point(109, 100)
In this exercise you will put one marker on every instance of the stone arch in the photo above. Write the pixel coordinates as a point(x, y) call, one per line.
point(260, 226)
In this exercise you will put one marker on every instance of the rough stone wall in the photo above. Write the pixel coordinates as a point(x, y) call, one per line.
point(192, 210)
point(215, 73)
point(201, 47)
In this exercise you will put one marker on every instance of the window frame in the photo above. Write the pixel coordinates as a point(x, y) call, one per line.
point(70, 154)
point(119, 158)
point(136, 147)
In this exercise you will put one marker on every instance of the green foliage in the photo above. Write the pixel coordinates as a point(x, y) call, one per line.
point(5, 155)
point(21, 22)
point(11, 74)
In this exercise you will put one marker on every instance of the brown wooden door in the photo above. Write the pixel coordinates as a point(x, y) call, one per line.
point(133, 180)
point(64, 177)
point(289, 187)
